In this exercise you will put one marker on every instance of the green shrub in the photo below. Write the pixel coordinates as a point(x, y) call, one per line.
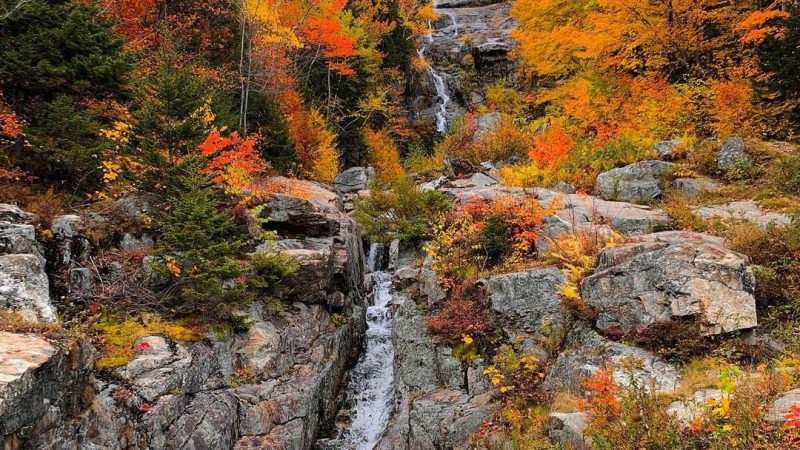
point(741, 169)
point(775, 254)
point(271, 271)
point(787, 175)
point(402, 212)
point(495, 238)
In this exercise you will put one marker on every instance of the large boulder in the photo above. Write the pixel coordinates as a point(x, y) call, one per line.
point(781, 407)
point(636, 183)
point(567, 429)
point(527, 303)
point(746, 210)
point(18, 238)
point(136, 207)
point(577, 209)
point(296, 216)
point(669, 275)
point(733, 155)
point(687, 409)
point(24, 287)
point(353, 179)
point(485, 124)
point(13, 214)
point(72, 246)
point(587, 352)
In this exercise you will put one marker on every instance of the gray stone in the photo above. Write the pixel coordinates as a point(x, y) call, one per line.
point(131, 243)
point(24, 287)
point(672, 275)
point(353, 179)
point(209, 422)
point(81, 280)
point(135, 206)
point(669, 150)
point(488, 166)
point(491, 52)
point(625, 218)
point(686, 410)
point(157, 368)
point(564, 188)
point(746, 210)
point(292, 216)
point(485, 124)
point(780, 408)
point(18, 239)
point(42, 387)
point(433, 185)
point(481, 180)
point(587, 352)
point(528, 301)
point(13, 214)
point(567, 429)
point(430, 286)
point(732, 155)
point(444, 418)
point(636, 183)
point(693, 187)
point(67, 226)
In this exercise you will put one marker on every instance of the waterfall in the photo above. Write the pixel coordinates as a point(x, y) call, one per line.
point(455, 24)
point(443, 98)
point(375, 259)
point(371, 386)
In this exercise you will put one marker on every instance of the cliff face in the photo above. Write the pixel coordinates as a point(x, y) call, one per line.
point(467, 50)
point(275, 386)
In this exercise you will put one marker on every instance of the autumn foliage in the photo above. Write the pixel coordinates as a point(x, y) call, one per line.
point(384, 156)
point(232, 160)
point(314, 142)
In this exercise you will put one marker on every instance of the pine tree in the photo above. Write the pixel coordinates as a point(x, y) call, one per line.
point(199, 250)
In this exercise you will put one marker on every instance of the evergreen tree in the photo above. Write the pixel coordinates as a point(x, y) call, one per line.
point(199, 250)
point(56, 58)
point(780, 57)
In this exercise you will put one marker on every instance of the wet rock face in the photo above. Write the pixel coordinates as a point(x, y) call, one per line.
point(673, 275)
point(468, 50)
point(439, 402)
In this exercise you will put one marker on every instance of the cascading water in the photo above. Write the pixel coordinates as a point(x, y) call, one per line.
point(371, 386)
point(443, 98)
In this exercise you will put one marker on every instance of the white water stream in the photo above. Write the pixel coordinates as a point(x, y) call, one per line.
point(443, 98)
point(371, 386)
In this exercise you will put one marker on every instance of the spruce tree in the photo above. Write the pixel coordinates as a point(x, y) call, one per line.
point(199, 249)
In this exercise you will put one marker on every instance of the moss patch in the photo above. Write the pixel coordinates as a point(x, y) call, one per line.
point(120, 335)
